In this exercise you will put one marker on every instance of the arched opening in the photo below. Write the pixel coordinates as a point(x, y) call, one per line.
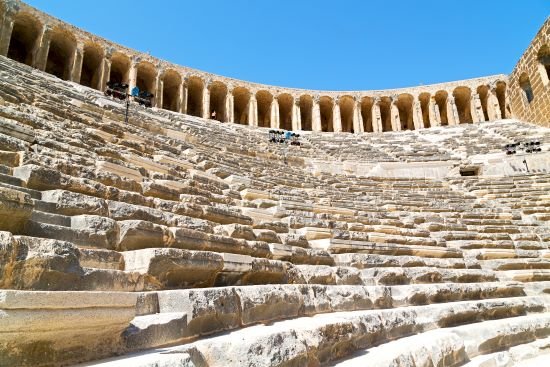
point(92, 64)
point(285, 110)
point(366, 113)
point(306, 106)
point(264, 99)
point(385, 113)
point(483, 93)
point(424, 99)
point(462, 97)
point(525, 84)
point(326, 105)
point(218, 94)
point(61, 54)
point(241, 98)
point(501, 97)
point(544, 61)
point(24, 39)
point(346, 113)
point(171, 82)
point(405, 106)
point(195, 88)
point(120, 66)
point(146, 77)
point(441, 100)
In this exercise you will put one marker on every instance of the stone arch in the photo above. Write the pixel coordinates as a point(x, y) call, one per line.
point(326, 105)
point(195, 88)
point(525, 85)
point(218, 95)
point(404, 104)
point(241, 99)
point(543, 56)
point(483, 93)
point(441, 100)
point(24, 38)
point(264, 99)
point(501, 97)
point(171, 84)
point(146, 78)
point(366, 113)
point(92, 66)
point(424, 99)
point(285, 110)
point(462, 97)
point(347, 104)
point(61, 54)
point(306, 106)
point(120, 67)
point(385, 113)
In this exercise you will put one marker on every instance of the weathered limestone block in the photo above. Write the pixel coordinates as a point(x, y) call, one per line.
point(101, 231)
point(101, 259)
point(154, 330)
point(123, 211)
point(16, 130)
point(279, 227)
point(72, 203)
point(39, 178)
point(10, 159)
point(266, 235)
point(140, 234)
point(119, 170)
point(176, 268)
point(236, 231)
point(225, 215)
point(158, 190)
point(47, 328)
point(15, 210)
point(294, 239)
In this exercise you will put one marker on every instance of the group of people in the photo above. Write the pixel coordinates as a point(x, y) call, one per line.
point(280, 136)
point(120, 91)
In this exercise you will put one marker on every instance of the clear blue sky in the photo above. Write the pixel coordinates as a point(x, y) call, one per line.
point(330, 45)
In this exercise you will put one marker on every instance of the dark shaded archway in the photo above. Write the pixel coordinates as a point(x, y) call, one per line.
point(525, 85)
point(241, 99)
point(326, 105)
point(120, 67)
point(385, 113)
point(462, 97)
point(218, 95)
point(347, 104)
point(92, 66)
point(285, 110)
point(441, 100)
point(195, 87)
point(24, 38)
point(171, 82)
point(366, 113)
point(61, 54)
point(424, 99)
point(483, 93)
point(543, 57)
point(306, 106)
point(501, 97)
point(264, 99)
point(405, 106)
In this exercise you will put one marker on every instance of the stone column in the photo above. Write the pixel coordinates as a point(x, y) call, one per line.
point(336, 117)
point(105, 74)
point(183, 87)
point(274, 114)
point(44, 48)
point(394, 115)
point(76, 69)
point(229, 107)
point(296, 115)
point(493, 108)
point(159, 91)
point(252, 110)
point(452, 112)
point(376, 116)
point(132, 76)
point(433, 113)
point(316, 115)
point(206, 101)
point(418, 119)
point(476, 109)
point(5, 33)
point(357, 118)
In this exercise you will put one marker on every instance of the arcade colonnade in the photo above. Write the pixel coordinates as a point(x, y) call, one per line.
point(65, 53)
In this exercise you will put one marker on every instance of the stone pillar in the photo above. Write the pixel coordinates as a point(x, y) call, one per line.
point(433, 113)
point(336, 117)
point(357, 118)
point(252, 110)
point(183, 87)
point(296, 115)
point(159, 91)
point(418, 119)
point(76, 69)
point(316, 115)
point(452, 112)
point(206, 101)
point(44, 49)
point(105, 74)
point(5, 33)
point(376, 116)
point(394, 115)
point(274, 114)
point(132, 76)
point(493, 108)
point(229, 107)
point(476, 109)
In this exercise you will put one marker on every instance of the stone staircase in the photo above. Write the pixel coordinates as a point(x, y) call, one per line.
point(174, 240)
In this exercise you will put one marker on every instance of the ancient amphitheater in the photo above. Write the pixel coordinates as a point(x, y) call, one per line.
point(399, 233)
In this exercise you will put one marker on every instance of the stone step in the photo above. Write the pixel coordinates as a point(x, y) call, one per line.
point(515, 264)
point(426, 275)
point(535, 353)
point(338, 246)
point(362, 261)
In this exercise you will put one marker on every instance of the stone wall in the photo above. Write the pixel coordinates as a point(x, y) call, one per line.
point(530, 80)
